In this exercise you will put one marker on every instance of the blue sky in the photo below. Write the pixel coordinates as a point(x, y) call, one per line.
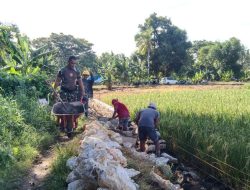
point(112, 24)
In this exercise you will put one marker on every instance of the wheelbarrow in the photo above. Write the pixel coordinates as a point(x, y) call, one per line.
point(67, 114)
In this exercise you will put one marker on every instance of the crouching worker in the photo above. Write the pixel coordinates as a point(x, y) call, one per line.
point(147, 121)
point(121, 111)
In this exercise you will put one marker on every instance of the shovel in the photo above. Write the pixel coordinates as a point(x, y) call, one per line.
point(59, 98)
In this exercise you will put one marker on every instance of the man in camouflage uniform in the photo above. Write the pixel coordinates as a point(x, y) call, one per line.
point(69, 77)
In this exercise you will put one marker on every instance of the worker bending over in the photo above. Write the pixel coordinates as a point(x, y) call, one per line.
point(121, 111)
point(147, 121)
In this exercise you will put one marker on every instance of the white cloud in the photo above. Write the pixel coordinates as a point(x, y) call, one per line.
point(112, 24)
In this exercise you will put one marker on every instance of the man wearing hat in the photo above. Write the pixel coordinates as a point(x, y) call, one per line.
point(88, 82)
point(147, 121)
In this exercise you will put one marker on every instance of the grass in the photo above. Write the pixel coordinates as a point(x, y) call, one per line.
point(213, 124)
point(25, 129)
point(59, 171)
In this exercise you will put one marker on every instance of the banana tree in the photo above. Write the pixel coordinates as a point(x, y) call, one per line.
point(107, 68)
point(17, 55)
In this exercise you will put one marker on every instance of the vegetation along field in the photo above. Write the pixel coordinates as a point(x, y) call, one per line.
point(212, 124)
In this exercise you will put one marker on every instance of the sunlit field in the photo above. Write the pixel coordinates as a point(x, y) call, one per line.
point(212, 124)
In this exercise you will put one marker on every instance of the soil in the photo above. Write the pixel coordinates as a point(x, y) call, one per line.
point(41, 167)
point(160, 88)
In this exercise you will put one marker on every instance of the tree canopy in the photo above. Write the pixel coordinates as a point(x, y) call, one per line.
point(67, 45)
point(164, 43)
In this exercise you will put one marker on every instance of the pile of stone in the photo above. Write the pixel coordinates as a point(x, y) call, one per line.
point(100, 163)
point(182, 177)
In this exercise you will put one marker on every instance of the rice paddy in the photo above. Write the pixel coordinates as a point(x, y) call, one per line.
point(212, 124)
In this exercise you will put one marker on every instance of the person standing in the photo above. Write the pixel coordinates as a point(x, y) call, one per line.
point(121, 111)
point(88, 81)
point(147, 121)
point(91, 82)
point(68, 77)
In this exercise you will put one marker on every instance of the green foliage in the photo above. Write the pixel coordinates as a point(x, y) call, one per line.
point(227, 76)
point(25, 127)
point(198, 77)
point(115, 68)
point(107, 64)
point(162, 44)
point(217, 59)
point(59, 171)
point(34, 84)
point(17, 56)
point(67, 45)
point(206, 123)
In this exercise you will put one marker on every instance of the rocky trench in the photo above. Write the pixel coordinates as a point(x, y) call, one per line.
point(101, 163)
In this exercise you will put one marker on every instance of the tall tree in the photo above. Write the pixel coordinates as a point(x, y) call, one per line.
point(144, 44)
point(216, 59)
point(68, 45)
point(167, 44)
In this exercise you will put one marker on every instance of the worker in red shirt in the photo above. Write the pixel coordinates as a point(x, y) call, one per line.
point(121, 111)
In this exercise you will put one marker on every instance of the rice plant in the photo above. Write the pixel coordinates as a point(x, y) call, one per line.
point(213, 125)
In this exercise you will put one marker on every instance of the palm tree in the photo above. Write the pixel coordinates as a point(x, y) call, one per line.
point(144, 43)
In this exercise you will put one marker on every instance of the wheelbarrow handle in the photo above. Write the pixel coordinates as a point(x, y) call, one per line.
point(57, 96)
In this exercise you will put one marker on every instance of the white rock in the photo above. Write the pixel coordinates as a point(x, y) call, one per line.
point(43, 101)
point(152, 157)
point(161, 141)
point(109, 124)
point(171, 159)
point(77, 185)
point(127, 133)
point(117, 155)
point(112, 144)
point(115, 178)
point(72, 177)
point(71, 162)
point(128, 145)
point(161, 161)
point(100, 161)
point(132, 172)
point(150, 148)
point(115, 136)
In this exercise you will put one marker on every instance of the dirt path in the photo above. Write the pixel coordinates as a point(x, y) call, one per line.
point(41, 167)
point(39, 170)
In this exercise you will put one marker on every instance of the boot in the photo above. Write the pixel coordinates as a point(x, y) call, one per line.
point(157, 149)
point(142, 146)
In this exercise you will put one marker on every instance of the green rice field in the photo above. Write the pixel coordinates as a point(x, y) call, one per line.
point(211, 126)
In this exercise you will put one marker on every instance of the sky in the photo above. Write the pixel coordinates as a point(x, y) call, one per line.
point(112, 24)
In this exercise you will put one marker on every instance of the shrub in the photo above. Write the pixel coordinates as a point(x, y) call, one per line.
point(10, 84)
point(25, 127)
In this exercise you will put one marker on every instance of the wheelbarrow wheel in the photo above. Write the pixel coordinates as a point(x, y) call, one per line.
point(69, 127)
point(69, 135)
